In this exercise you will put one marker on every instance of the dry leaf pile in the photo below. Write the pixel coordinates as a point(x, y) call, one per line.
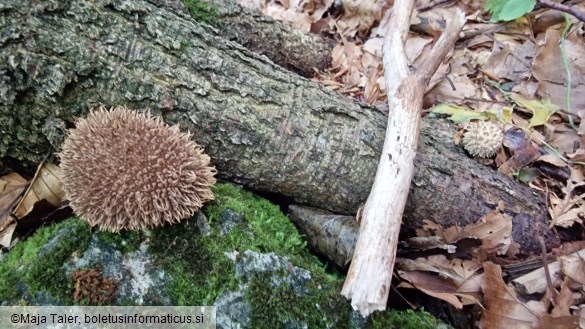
point(550, 296)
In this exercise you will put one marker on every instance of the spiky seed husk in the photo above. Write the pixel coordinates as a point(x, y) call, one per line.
point(483, 139)
point(128, 170)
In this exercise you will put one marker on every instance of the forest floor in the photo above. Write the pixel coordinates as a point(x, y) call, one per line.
point(525, 76)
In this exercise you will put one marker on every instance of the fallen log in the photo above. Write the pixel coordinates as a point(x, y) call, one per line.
point(283, 44)
point(264, 127)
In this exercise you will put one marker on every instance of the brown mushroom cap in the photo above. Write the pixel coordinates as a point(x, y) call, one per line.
point(128, 170)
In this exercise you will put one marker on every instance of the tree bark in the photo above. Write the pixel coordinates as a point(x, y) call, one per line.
point(263, 126)
point(286, 46)
point(283, 44)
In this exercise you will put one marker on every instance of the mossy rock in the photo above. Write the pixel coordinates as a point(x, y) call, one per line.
point(241, 254)
point(32, 270)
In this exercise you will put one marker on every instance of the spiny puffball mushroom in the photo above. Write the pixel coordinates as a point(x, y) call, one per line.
point(483, 139)
point(129, 170)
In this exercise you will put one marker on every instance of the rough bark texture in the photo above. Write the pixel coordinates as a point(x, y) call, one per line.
point(283, 44)
point(286, 46)
point(264, 127)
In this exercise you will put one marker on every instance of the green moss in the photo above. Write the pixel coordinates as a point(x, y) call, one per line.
point(196, 271)
point(37, 261)
point(408, 319)
point(272, 229)
point(273, 307)
point(125, 241)
point(203, 11)
point(200, 270)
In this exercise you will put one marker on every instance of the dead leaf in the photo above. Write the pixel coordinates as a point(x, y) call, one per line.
point(432, 286)
point(523, 151)
point(11, 186)
point(6, 235)
point(578, 156)
point(510, 58)
point(573, 266)
point(360, 15)
point(549, 70)
point(454, 90)
point(458, 114)
point(565, 211)
point(559, 322)
point(564, 141)
point(440, 266)
point(564, 300)
point(454, 280)
point(553, 160)
point(503, 309)
point(494, 230)
point(45, 185)
point(470, 290)
point(40, 202)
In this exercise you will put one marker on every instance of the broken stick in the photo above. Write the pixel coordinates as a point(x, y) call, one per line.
point(368, 280)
